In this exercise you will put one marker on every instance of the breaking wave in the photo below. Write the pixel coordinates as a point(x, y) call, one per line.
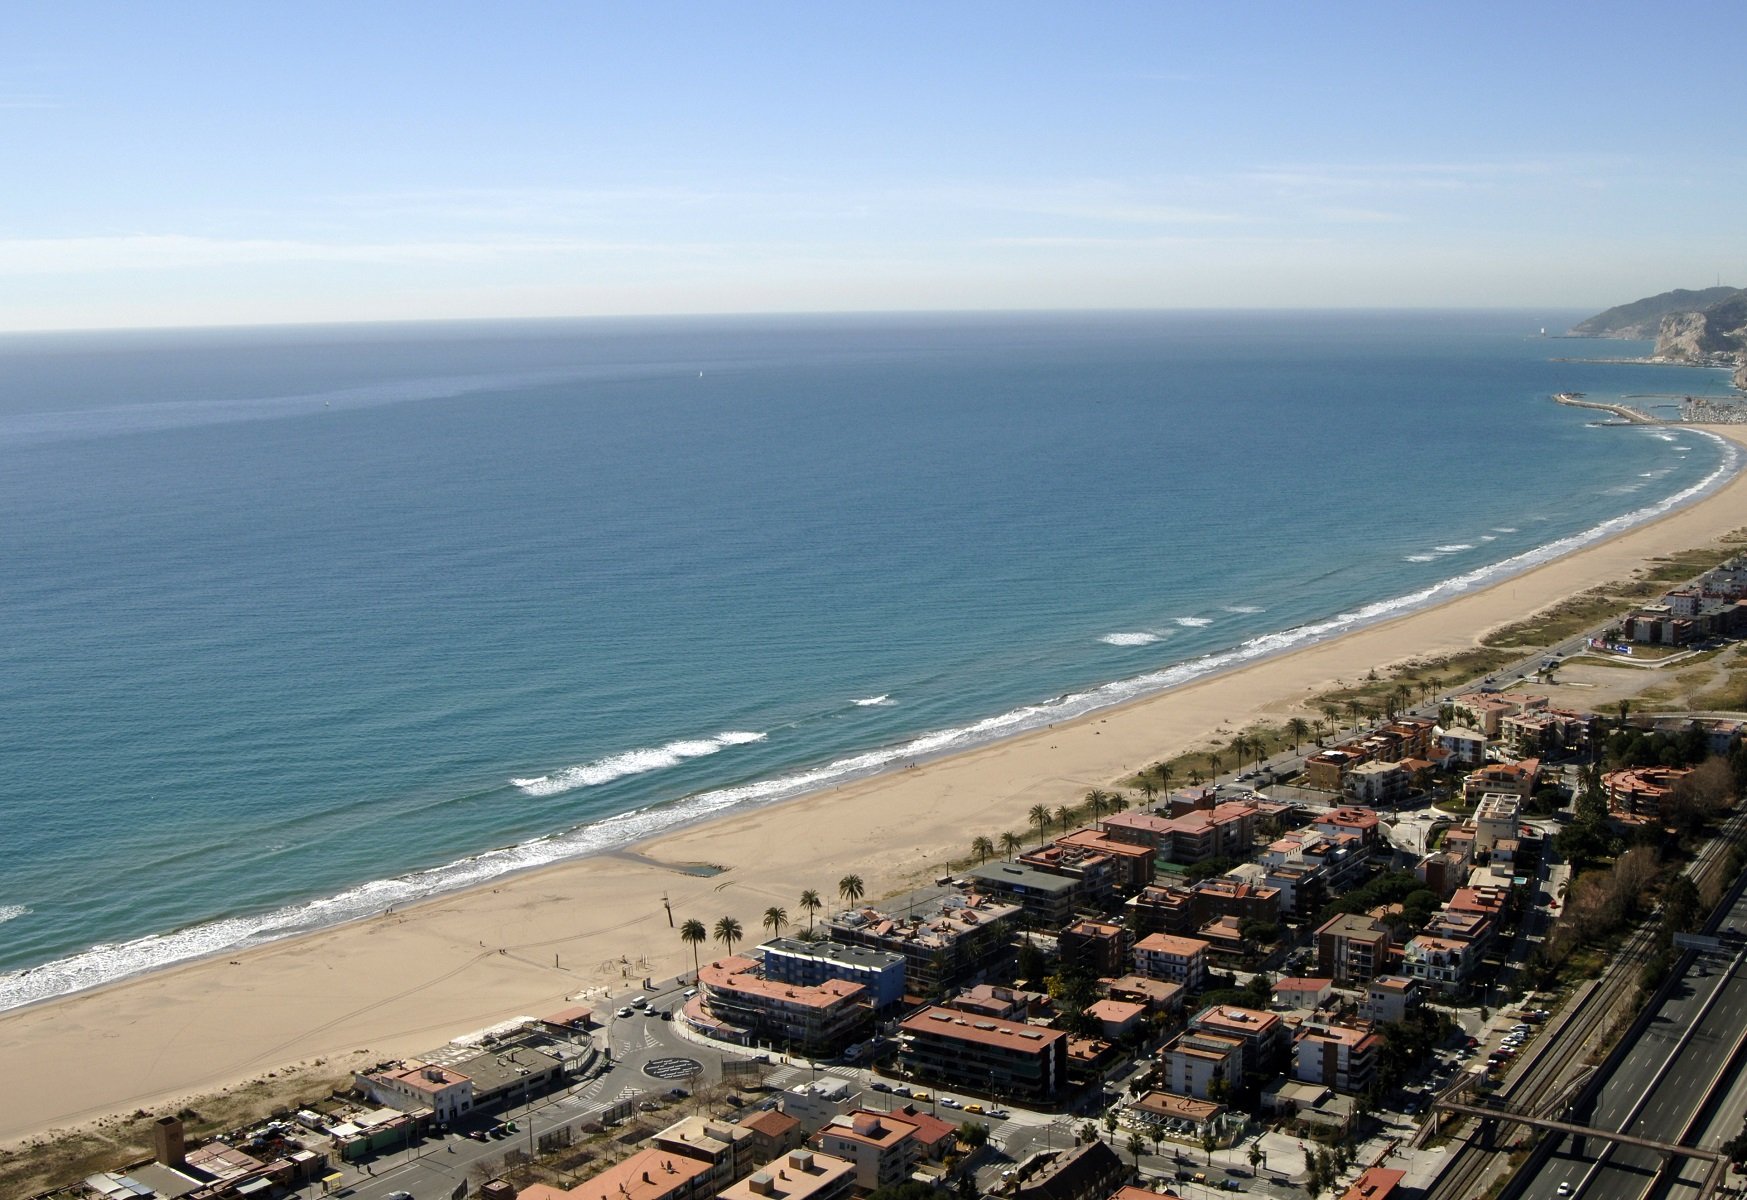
point(633, 762)
point(1129, 639)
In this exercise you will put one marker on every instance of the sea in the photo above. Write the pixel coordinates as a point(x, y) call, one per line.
point(299, 624)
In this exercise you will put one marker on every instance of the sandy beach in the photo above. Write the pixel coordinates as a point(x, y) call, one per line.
point(407, 981)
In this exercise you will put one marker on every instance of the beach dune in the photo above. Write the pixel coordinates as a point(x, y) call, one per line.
point(400, 983)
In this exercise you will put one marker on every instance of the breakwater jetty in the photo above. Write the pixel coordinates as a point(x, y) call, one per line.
point(1624, 411)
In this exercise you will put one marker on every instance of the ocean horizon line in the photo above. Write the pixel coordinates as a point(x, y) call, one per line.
point(328, 327)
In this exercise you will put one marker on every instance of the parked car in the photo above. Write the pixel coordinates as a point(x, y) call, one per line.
point(949, 1102)
point(999, 1114)
point(880, 1085)
point(625, 1012)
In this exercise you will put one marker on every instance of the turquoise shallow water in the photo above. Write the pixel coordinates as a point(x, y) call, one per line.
point(301, 623)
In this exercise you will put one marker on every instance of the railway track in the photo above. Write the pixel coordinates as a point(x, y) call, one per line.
point(1544, 1079)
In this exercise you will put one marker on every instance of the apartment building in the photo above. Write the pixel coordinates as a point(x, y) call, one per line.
point(1005, 1058)
point(1179, 960)
point(1352, 949)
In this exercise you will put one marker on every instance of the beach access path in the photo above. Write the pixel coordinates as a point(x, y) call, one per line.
point(397, 984)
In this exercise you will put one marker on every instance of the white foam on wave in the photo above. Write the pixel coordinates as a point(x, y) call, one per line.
point(1454, 547)
point(1129, 639)
point(632, 762)
point(1420, 557)
point(11, 912)
point(1245, 608)
point(1504, 529)
point(107, 963)
point(1193, 622)
point(1488, 537)
point(874, 702)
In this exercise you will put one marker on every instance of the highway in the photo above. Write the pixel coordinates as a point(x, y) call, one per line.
point(1659, 1085)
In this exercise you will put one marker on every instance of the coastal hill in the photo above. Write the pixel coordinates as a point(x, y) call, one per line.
point(1708, 326)
point(1643, 318)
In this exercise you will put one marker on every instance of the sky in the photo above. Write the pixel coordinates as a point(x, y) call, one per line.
point(199, 164)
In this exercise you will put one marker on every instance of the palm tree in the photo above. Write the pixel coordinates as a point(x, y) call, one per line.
point(1297, 727)
point(1215, 763)
point(1149, 789)
point(1321, 726)
point(1065, 815)
point(850, 888)
point(1118, 802)
point(1333, 714)
point(1097, 800)
point(811, 902)
point(775, 917)
point(1039, 816)
point(1239, 747)
point(1010, 842)
point(693, 934)
point(728, 932)
point(982, 847)
point(1196, 777)
point(1354, 709)
point(1166, 773)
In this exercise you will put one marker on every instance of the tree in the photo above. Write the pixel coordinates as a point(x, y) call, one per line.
point(1010, 842)
point(1196, 777)
point(1063, 815)
point(1110, 1121)
point(1134, 1148)
point(1298, 728)
point(1209, 1143)
point(1149, 789)
point(1240, 745)
point(1681, 906)
point(1097, 800)
point(1166, 773)
point(1117, 801)
point(1039, 816)
point(851, 888)
point(811, 902)
point(1256, 1155)
point(982, 847)
point(973, 1133)
point(728, 932)
point(1332, 714)
point(775, 917)
point(693, 934)
point(1215, 763)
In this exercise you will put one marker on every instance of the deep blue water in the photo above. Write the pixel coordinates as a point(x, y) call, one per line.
point(291, 615)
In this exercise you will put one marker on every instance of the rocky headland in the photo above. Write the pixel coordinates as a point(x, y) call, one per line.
point(1707, 327)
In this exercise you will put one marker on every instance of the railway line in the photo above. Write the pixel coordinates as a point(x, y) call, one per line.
point(1560, 1070)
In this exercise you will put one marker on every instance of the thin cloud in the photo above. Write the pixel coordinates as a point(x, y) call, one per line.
point(136, 252)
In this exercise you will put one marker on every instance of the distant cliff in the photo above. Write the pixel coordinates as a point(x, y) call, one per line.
point(1708, 326)
point(1719, 330)
point(1643, 318)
